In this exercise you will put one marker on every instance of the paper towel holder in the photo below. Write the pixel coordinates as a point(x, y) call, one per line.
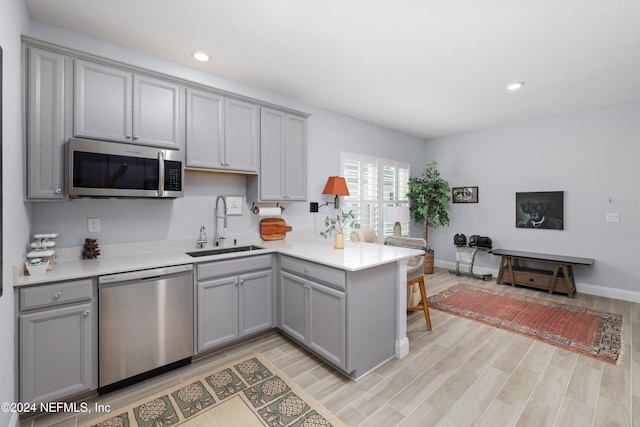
point(256, 209)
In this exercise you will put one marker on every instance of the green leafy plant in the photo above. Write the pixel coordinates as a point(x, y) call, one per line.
point(339, 222)
point(429, 197)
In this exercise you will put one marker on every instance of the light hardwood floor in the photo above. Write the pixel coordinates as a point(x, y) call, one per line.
point(462, 373)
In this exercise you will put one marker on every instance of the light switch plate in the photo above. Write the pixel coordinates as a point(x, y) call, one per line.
point(93, 224)
point(613, 217)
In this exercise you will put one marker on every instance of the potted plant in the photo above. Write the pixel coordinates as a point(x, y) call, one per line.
point(429, 197)
point(338, 224)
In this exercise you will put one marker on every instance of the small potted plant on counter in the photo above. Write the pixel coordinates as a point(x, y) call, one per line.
point(338, 224)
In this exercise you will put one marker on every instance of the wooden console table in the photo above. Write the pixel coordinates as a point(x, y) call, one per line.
point(560, 279)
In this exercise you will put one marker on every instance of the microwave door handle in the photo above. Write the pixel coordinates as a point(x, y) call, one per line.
point(161, 173)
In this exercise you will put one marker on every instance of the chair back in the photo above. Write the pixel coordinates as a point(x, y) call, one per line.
point(406, 242)
point(364, 234)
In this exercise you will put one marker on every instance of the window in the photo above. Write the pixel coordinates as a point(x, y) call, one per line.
point(373, 184)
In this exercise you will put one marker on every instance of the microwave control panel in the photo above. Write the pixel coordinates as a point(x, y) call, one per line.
point(172, 175)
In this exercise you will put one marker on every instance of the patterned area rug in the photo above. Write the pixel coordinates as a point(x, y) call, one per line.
point(247, 392)
point(593, 333)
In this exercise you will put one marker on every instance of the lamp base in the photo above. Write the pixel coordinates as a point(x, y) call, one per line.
point(397, 229)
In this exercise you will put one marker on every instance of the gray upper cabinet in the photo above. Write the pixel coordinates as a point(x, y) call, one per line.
point(222, 133)
point(116, 105)
point(47, 121)
point(283, 158)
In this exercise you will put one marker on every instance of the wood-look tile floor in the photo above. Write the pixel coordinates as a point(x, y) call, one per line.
point(462, 373)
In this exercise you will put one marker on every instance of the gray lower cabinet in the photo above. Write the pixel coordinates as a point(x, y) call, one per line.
point(345, 317)
point(57, 340)
point(314, 315)
point(234, 299)
point(47, 122)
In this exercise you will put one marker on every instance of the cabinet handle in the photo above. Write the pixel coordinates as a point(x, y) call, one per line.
point(221, 163)
point(57, 295)
point(128, 136)
point(241, 282)
point(135, 137)
point(306, 270)
point(86, 313)
point(235, 283)
point(58, 190)
point(226, 163)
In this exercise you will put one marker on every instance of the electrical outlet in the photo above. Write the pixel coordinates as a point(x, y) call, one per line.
point(613, 217)
point(313, 207)
point(93, 224)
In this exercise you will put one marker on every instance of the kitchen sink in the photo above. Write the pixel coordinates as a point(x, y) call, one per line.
point(221, 251)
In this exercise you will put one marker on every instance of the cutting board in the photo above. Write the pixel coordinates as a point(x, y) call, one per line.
point(273, 229)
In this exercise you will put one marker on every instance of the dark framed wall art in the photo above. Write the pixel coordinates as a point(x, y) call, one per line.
point(464, 194)
point(541, 209)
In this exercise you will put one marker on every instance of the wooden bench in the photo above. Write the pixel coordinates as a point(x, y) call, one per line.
point(560, 279)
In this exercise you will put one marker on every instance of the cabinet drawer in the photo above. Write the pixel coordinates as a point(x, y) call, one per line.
point(529, 278)
point(55, 294)
point(233, 266)
point(311, 270)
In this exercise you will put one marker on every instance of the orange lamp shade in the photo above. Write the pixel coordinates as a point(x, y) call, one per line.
point(336, 185)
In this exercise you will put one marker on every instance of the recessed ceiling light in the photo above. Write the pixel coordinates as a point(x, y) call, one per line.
point(515, 85)
point(200, 56)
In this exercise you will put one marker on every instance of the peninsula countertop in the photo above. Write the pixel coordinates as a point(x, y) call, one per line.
point(355, 256)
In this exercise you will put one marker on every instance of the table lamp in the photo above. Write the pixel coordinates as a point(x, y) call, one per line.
point(397, 214)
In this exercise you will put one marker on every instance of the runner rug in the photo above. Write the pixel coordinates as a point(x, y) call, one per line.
point(593, 333)
point(247, 392)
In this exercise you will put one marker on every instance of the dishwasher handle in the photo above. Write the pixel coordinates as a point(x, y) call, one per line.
point(153, 273)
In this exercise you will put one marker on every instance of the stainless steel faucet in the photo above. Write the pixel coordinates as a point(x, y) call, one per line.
point(216, 240)
point(202, 239)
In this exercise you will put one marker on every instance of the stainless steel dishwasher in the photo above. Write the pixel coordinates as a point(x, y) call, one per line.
point(145, 324)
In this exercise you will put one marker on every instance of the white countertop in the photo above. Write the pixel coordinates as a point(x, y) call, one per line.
point(355, 256)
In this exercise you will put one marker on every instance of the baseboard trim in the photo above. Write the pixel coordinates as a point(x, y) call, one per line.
point(584, 288)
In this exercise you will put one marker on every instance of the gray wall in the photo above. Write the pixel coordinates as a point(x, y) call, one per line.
point(13, 21)
point(591, 155)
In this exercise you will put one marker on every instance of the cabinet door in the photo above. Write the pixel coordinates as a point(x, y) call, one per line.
point(46, 119)
point(272, 157)
point(327, 323)
point(205, 130)
point(295, 158)
point(102, 106)
point(56, 353)
point(157, 112)
point(293, 306)
point(255, 302)
point(217, 312)
point(241, 136)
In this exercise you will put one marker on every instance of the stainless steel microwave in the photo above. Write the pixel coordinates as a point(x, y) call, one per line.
point(111, 169)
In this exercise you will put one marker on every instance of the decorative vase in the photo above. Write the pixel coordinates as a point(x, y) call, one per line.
point(339, 241)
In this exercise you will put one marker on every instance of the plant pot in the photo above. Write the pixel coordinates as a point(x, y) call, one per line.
point(429, 256)
point(339, 241)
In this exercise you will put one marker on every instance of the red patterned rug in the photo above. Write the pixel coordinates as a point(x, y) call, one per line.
point(593, 333)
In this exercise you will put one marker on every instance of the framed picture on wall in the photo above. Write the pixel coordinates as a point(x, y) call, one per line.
point(541, 209)
point(464, 194)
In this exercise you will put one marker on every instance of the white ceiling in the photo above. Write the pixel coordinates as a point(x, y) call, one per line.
point(425, 67)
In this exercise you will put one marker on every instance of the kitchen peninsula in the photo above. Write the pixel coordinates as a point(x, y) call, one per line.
point(345, 305)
